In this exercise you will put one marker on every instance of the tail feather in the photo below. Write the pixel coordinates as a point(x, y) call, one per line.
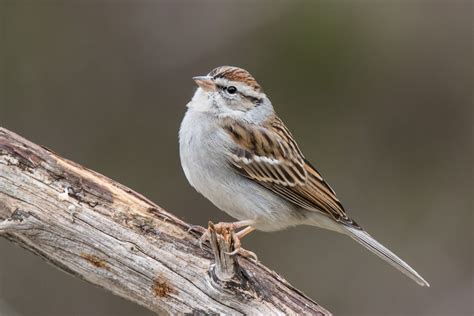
point(370, 243)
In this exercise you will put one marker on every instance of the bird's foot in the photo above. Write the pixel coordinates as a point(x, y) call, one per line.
point(241, 251)
point(224, 228)
point(219, 228)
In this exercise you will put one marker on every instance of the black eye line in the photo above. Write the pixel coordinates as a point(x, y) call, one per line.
point(257, 101)
point(224, 88)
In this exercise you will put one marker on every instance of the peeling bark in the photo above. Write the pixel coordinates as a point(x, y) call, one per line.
point(103, 232)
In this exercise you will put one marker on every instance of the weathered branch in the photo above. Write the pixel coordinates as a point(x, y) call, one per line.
point(105, 233)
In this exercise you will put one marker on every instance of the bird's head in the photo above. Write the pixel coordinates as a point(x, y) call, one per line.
point(231, 92)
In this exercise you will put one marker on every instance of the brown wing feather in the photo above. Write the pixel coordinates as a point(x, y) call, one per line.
point(269, 156)
point(265, 157)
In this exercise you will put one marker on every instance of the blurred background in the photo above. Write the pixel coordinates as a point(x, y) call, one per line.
point(379, 96)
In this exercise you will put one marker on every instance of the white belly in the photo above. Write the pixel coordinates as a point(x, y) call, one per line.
point(207, 169)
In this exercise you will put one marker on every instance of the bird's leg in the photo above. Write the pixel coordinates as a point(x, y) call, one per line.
point(239, 235)
point(232, 226)
point(220, 227)
point(244, 232)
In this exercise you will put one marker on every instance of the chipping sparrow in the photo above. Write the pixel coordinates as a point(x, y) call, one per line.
point(237, 152)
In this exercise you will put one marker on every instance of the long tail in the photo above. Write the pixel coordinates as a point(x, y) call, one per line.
point(373, 245)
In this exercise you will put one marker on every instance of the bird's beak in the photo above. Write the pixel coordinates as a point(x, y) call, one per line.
point(205, 82)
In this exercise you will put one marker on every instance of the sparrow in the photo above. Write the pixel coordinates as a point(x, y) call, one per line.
point(237, 152)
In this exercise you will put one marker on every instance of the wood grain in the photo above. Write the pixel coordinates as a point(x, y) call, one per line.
point(105, 233)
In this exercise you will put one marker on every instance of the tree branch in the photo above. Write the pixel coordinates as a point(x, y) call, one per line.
point(103, 232)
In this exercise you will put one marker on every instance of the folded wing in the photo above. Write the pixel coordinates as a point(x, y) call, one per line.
point(269, 156)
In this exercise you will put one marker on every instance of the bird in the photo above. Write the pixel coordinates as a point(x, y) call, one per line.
point(237, 152)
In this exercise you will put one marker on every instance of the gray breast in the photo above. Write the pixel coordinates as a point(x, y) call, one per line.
point(203, 148)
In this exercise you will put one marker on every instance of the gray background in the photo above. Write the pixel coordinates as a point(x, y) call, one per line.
point(378, 95)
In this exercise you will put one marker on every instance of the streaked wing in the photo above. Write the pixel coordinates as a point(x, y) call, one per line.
point(269, 156)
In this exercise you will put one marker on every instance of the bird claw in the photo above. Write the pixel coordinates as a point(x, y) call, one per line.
point(197, 228)
point(241, 251)
point(205, 237)
point(244, 253)
point(220, 228)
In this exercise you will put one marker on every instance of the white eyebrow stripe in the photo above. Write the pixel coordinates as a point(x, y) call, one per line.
point(222, 82)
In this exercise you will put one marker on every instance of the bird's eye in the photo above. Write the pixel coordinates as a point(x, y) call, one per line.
point(231, 90)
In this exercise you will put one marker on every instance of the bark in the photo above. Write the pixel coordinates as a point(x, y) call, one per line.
point(105, 233)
